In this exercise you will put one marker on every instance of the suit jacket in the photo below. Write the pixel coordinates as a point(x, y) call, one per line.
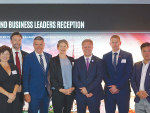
point(11, 60)
point(34, 79)
point(90, 79)
point(123, 72)
point(136, 79)
point(56, 73)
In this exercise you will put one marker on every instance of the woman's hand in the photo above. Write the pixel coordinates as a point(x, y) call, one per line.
point(11, 96)
point(65, 91)
point(9, 101)
point(71, 89)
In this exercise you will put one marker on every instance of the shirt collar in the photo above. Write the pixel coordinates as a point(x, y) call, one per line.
point(116, 52)
point(13, 50)
point(37, 54)
point(144, 63)
point(88, 57)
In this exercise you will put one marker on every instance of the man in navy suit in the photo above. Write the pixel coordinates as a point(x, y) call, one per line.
point(35, 78)
point(16, 41)
point(87, 76)
point(140, 81)
point(119, 66)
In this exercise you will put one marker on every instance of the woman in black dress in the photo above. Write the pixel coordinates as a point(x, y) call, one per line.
point(9, 83)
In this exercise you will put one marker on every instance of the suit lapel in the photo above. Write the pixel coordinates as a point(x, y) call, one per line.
point(147, 76)
point(92, 63)
point(36, 61)
point(139, 68)
point(58, 67)
point(119, 60)
point(47, 61)
point(22, 54)
point(110, 61)
point(83, 64)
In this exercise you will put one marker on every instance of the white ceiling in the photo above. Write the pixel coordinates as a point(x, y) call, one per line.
point(74, 1)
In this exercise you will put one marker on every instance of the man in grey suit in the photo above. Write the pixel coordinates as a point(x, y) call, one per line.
point(140, 81)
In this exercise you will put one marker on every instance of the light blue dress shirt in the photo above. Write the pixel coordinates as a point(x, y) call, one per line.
point(66, 69)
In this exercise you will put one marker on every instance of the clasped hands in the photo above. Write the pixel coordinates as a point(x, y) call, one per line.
point(85, 92)
point(11, 97)
point(67, 91)
point(113, 89)
point(142, 94)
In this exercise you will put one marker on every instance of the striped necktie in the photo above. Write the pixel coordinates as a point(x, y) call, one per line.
point(42, 64)
point(114, 62)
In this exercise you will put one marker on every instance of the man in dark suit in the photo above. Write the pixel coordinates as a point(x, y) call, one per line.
point(140, 81)
point(35, 78)
point(119, 66)
point(16, 58)
point(87, 76)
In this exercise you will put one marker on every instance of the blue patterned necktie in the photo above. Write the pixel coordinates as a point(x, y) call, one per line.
point(114, 62)
point(42, 64)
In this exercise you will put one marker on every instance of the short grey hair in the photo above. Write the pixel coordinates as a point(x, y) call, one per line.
point(39, 38)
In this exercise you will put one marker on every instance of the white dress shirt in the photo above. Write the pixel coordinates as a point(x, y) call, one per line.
point(117, 56)
point(20, 57)
point(143, 75)
point(88, 60)
point(43, 57)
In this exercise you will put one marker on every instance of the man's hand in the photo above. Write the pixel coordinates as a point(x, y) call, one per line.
point(89, 95)
point(142, 94)
point(27, 98)
point(145, 94)
point(113, 89)
point(83, 91)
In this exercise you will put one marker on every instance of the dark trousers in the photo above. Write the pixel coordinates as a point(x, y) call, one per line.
point(41, 104)
point(121, 100)
point(62, 103)
point(94, 107)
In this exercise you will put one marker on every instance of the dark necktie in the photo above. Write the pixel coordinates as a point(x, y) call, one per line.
point(114, 62)
point(87, 63)
point(42, 64)
point(18, 63)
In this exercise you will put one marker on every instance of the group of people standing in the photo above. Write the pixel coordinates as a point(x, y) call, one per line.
point(37, 76)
